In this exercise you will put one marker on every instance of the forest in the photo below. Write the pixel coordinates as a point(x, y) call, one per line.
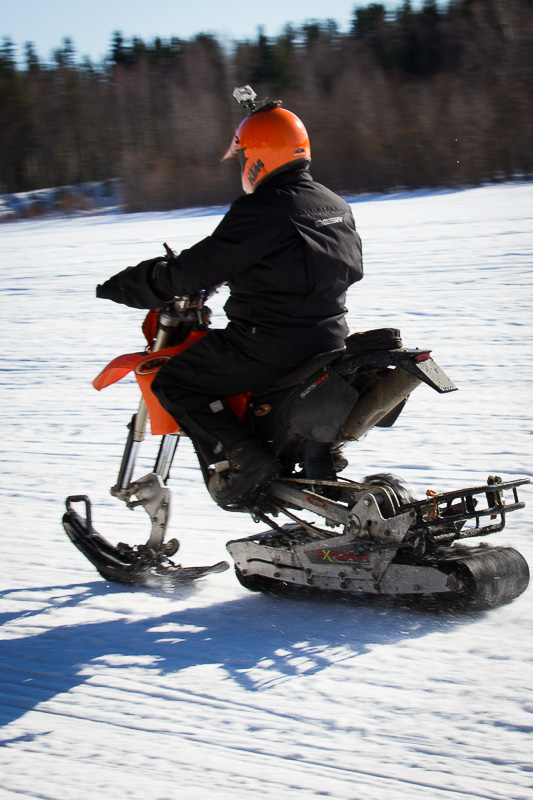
point(441, 96)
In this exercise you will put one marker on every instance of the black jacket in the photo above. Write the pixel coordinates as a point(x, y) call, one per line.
point(288, 253)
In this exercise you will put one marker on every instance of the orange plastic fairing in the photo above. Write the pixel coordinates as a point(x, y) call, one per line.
point(145, 367)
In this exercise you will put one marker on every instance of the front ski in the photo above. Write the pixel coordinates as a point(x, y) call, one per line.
point(140, 565)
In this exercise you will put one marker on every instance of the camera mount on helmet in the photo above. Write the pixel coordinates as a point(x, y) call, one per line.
point(245, 96)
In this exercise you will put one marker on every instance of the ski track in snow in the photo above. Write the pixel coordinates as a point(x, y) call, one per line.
point(107, 691)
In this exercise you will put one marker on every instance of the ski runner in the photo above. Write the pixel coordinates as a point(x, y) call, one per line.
point(288, 250)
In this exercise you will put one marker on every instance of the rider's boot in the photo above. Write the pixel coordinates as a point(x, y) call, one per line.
point(250, 466)
point(339, 460)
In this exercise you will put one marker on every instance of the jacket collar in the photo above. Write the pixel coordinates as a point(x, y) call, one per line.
point(290, 176)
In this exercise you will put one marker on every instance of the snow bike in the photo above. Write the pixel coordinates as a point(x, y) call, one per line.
point(367, 537)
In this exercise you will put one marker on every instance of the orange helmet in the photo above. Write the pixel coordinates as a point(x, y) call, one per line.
point(266, 141)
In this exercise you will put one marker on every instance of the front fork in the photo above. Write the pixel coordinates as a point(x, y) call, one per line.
point(137, 430)
point(150, 491)
point(183, 310)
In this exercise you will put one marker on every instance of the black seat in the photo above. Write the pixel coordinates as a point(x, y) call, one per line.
point(305, 370)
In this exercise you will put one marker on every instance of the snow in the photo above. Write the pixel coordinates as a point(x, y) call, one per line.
point(109, 691)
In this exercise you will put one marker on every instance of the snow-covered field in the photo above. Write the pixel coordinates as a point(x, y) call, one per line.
point(213, 691)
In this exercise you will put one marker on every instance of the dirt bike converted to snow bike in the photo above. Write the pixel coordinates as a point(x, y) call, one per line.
point(368, 537)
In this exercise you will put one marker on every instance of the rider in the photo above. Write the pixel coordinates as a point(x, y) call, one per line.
point(288, 250)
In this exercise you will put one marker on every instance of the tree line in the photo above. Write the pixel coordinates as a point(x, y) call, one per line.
point(440, 96)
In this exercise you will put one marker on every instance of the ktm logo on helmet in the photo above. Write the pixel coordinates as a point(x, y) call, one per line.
point(255, 170)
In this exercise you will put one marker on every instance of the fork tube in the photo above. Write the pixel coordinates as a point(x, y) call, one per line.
point(128, 459)
point(168, 446)
point(138, 423)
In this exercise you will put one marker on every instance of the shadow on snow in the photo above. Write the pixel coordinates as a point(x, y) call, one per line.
point(257, 639)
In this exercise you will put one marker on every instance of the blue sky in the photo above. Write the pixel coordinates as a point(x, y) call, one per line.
point(91, 24)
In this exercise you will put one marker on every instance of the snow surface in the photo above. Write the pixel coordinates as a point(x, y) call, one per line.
point(109, 691)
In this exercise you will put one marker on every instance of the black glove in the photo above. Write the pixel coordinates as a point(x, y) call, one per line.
point(136, 287)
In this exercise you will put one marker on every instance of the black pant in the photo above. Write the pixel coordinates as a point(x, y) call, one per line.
point(226, 363)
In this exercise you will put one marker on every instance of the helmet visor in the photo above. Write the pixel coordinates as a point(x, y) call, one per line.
point(232, 151)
